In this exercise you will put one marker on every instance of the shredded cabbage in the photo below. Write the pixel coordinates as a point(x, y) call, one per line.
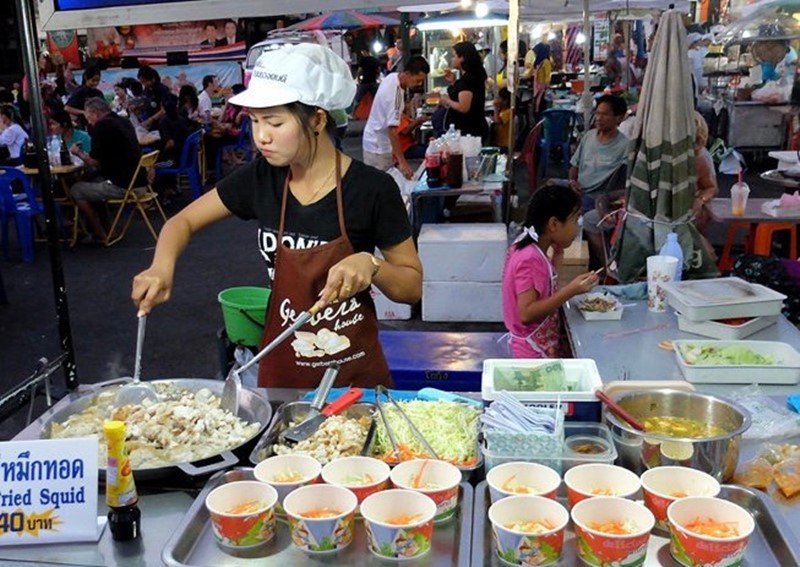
point(450, 428)
point(724, 356)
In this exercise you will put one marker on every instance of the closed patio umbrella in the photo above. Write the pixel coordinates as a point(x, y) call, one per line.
point(662, 181)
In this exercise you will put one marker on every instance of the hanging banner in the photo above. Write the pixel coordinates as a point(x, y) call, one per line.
point(600, 39)
point(48, 491)
point(218, 39)
point(228, 73)
point(64, 44)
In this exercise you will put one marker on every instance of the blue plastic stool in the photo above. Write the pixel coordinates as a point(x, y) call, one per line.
point(189, 164)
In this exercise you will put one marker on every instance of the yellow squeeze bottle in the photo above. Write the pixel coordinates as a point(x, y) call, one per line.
point(124, 516)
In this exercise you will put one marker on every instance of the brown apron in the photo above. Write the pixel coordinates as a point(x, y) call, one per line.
point(345, 333)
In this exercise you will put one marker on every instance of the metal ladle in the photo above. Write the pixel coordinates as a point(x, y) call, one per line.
point(137, 391)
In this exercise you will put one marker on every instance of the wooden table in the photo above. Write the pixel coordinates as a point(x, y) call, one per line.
point(757, 224)
point(61, 171)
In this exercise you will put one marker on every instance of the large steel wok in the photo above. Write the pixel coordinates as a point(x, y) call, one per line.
point(253, 407)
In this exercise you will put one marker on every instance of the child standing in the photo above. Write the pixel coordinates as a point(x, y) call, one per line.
point(502, 119)
point(531, 298)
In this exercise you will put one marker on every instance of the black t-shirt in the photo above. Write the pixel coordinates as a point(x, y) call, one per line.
point(154, 97)
point(473, 122)
point(374, 213)
point(79, 97)
point(116, 147)
point(174, 129)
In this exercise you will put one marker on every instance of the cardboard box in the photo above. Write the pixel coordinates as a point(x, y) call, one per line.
point(388, 310)
point(463, 252)
point(576, 262)
point(462, 301)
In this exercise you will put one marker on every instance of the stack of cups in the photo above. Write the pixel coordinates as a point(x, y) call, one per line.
point(660, 270)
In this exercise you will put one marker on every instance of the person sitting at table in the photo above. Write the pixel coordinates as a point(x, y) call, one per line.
point(188, 104)
point(61, 125)
point(502, 119)
point(87, 90)
point(12, 136)
point(530, 294)
point(115, 156)
point(205, 98)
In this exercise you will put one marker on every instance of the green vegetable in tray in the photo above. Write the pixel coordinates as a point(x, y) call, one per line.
point(451, 429)
point(547, 377)
point(712, 355)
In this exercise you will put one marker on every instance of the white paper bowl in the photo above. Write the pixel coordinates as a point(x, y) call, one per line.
point(662, 486)
point(540, 479)
point(242, 530)
point(394, 541)
point(593, 479)
point(320, 535)
point(444, 477)
point(597, 548)
point(267, 470)
point(520, 548)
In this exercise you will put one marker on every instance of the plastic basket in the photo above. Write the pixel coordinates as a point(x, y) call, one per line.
point(244, 310)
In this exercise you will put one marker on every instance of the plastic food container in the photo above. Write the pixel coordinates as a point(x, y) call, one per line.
point(726, 331)
point(614, 314)
point(720, 298)
point(785, 370)
point(579, 401)
point(566, 458)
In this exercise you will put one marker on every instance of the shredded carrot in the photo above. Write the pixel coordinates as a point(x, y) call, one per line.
point(416, 480)
point(320, 513)
point(531, 526)
point(405, 453)
point(603, 492)
point(612, 527)
point(246, 507)
point(404, 520)
point(510, 486)
point(713, 528)
point(678, 494)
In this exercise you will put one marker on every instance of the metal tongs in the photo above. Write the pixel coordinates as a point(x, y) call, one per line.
point(382, 390)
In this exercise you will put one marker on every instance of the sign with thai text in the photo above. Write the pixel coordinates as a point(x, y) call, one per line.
point(48, 491)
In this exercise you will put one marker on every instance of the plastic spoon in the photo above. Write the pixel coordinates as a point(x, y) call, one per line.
point(137, 391)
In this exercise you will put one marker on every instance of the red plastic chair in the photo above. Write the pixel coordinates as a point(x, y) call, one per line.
point(528, 156)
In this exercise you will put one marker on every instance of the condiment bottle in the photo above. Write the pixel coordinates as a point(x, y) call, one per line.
point(124, 516)
point(64, 155)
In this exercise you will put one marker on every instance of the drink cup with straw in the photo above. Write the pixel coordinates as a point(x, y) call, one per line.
point(739, 193)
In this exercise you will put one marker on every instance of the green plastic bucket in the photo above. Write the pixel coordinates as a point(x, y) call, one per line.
point(244, 311)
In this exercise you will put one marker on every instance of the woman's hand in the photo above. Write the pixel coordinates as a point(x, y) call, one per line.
point(150, 288)
point(348, 277)
point(449, 76)
point(445, 100)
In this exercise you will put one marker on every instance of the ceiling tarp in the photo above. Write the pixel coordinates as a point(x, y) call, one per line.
point(130, 12)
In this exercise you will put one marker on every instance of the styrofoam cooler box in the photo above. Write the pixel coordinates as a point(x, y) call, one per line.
point(463, 252)
point(388, 310)
point(462, 301)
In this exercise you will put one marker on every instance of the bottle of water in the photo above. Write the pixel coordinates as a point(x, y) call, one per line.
point(673, 248)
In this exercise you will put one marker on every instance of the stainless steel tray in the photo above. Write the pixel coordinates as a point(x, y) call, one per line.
point(771, 545)
point(193, 543)
point(296, 412)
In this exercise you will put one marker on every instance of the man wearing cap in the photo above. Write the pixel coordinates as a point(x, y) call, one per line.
point(320, 217)
point(381, 142)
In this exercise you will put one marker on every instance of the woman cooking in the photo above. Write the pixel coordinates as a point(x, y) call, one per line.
point(320, 217)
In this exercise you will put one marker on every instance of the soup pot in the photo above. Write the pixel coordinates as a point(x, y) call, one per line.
point(716, 455)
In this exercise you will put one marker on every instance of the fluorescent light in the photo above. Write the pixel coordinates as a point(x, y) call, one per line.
point(466, 3)
point(377, 46)
point(464, 21)
point(580, 39)
point(481, 10)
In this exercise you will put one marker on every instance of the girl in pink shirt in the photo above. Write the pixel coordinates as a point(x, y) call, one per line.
point(531, 298)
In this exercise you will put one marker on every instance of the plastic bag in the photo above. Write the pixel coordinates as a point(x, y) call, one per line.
point(773, 92)
point(243, 355)
point(769, 419)
point(406, 185)
point(730, 162)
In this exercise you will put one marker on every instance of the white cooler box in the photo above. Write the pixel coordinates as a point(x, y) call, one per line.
point(462, 301)
point(463, 252)
point(388, 310)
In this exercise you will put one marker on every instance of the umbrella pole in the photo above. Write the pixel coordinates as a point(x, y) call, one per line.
point(586, 97)
point(27, 26)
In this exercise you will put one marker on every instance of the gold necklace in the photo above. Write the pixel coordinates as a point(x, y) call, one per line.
point(319, 188)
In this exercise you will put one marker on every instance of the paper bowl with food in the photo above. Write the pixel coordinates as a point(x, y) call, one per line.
point(242, 513)
point(612, 531)
point(321, 517)
point(286, 473)
point(399, 523)
point(361, 475)
point(599, 306)
point(528, 530)
point(596, 479)
point(708, 531)
point(664, 485)
point(436, 479)
point(515, 479)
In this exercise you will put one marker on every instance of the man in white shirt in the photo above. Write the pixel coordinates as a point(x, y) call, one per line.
point(381, 144)
point(210, 88)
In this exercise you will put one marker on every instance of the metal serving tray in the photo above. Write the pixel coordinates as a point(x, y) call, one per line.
point(296, 412)
point(771, 545)
point(193, 543)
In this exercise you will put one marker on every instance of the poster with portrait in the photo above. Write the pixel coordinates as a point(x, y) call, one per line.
point(600, 39)
point(63, 47)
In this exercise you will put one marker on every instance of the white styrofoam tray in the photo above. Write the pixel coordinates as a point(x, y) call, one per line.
point(724, 331)
point(722, 298)
point(786, 369)
point(773, 209)
point(614, 315)
point(582, 371)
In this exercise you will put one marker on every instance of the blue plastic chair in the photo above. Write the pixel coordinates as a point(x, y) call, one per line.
point(20, 207)
point(243, 142)
point(189, 164)
point(558, 125)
